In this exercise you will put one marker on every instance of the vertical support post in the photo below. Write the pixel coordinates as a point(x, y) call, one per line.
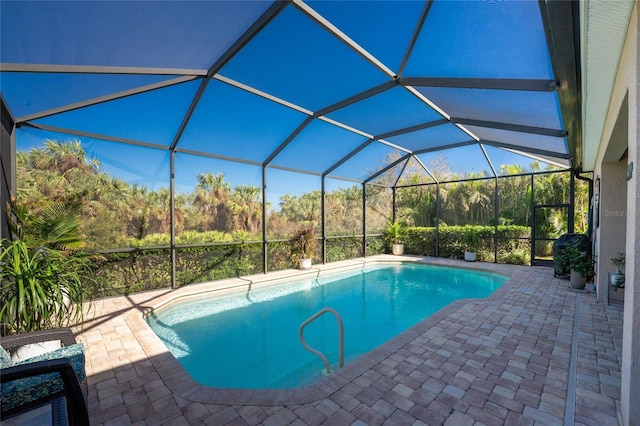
point(172, 207)
point(364, 219)
point(393, 204)
point(496, 206)
point(572, 201)
point(532, 222)
point(324, 219)
point(437, 219)
point(265, 259)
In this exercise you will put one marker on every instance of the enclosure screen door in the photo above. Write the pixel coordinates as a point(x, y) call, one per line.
point(549, 223)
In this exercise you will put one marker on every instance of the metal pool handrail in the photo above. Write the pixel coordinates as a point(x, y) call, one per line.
point(340, 338)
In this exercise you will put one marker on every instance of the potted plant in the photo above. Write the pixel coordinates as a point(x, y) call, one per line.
point(580, 264)
point(396, 233)
point(305, 245)
point(617, 278)
point(471, 241)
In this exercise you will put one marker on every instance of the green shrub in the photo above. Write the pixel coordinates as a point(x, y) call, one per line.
point(422, 241)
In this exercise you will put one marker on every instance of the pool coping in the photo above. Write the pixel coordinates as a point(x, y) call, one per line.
point(178, 380)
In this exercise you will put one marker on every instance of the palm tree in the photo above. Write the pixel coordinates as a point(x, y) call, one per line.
point(246, 209)
point(212, 195)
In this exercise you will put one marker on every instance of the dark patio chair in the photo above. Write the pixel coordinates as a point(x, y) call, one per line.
point(57, 377)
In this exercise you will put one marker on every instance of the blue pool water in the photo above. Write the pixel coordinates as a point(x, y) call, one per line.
point(250, 340)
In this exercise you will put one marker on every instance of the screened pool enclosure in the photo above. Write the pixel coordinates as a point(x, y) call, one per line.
point(199, 136)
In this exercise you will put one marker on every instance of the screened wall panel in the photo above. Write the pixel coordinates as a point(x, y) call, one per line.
point(418, 205)
point(373, 158)
point(552, 188)
point(391, 176)
point(415, 173)
point(379, 208)
point(123, 201)
point(222, 199)
point(289, 210)
point(343, 208)
point(514, 200)
point(467, 203)
point(457, 163)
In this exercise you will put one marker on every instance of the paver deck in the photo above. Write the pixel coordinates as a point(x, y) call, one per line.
point(512, 359)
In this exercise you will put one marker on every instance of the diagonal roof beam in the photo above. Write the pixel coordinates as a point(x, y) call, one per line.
point(249, 34)
point(414, 37)
point(260, 93)
point(511, 127)
point(413, 128)
point(357, 98)
point(426, 169)
point(348, 157)
point(530, 85)
point(96, 69)
point(288, 140)
point(323, 22)
point(387, 168)
point(542, 158)
point(443, 147)
point(525, 149)
point(93, 135)
point(404, 167)
point(106, 98)
point(486, 157)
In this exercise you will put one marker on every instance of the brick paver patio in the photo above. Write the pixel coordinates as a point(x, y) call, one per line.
point(511, 359)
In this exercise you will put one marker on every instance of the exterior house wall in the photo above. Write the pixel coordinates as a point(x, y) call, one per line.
point(626, 90)
point(611, 234)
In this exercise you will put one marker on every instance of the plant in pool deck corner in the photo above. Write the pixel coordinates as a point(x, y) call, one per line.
point(305, 245)
point(42, 274)
point(617, 279)
point(40, 288)
point(396, 233)
point(471, 241)
point(579, 262)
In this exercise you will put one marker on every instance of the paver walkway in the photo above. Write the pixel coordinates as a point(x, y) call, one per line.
point(506, 360)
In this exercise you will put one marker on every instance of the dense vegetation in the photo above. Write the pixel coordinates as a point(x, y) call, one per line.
point(218, 227)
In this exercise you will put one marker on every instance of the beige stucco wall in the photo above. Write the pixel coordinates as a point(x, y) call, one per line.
point(611, 234)
point(626, 90)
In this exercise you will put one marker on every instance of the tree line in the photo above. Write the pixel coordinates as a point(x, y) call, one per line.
point(117, 214)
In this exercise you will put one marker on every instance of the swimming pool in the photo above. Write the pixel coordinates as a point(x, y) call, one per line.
point(250, 340)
